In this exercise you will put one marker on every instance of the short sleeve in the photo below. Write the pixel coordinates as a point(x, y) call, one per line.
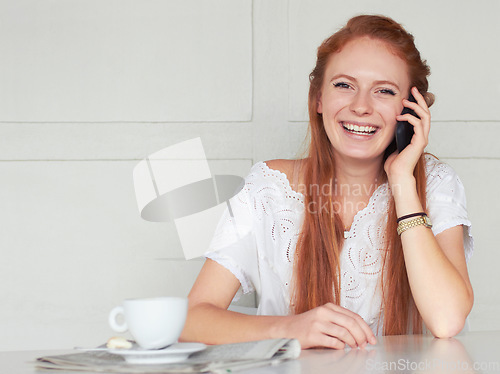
point(446, 202)
point(233, 245)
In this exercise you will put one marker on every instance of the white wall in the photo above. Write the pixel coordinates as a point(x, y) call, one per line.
point(89, 87)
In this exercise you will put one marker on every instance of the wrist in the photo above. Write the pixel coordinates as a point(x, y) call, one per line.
point(279, 328)
point(402, 187)
point(401, 179)
point(406, 198)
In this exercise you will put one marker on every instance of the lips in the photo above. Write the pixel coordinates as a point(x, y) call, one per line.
point(358, 128)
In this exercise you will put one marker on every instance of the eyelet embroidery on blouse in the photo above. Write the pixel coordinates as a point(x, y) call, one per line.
point(361, 259)
point(274, 187)
point(277, 211)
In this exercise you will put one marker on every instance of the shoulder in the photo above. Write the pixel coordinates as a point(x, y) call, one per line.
point(442, 178)
point(437, 170)
point(435, 167)
point(447, 201)
point(288, 168)
point(267, 186)
point(282, 165)
point(281, 175)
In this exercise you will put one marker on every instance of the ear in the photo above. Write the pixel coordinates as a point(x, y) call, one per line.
point(319, 106)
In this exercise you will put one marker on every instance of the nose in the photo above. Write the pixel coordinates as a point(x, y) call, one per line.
point(361, 104)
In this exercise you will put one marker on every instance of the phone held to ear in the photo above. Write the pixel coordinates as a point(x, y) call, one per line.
point(404, 129)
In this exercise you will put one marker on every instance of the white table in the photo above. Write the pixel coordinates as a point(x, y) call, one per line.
point(473, 352)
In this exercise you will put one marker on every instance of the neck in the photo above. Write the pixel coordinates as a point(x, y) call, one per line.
point(361, 173)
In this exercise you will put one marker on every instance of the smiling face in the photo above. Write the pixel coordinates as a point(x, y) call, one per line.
point(361, 95)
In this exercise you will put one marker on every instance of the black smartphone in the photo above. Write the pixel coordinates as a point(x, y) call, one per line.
point(404, 129)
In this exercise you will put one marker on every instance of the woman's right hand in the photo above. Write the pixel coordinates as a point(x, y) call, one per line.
point(329, 326)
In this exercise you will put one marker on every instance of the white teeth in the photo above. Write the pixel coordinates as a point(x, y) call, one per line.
point(359, 129)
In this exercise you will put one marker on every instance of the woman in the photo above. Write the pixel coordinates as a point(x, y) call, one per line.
point(324, 253)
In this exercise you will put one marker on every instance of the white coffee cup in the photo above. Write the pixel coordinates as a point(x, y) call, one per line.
point(153, 323)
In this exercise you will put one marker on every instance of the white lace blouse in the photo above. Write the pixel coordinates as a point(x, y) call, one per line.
point(256, 238)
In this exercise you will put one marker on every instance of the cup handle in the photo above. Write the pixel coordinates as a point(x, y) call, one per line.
point(112, 320)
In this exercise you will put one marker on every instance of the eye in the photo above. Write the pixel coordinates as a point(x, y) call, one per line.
point(341, 85)
point(387, 91)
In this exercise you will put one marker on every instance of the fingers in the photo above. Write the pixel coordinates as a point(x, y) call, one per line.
point(420, 107)
point(330, 326)
point(328, 341)
point(421, 125)
point(342, 334)
point(418, 127)
point(345, 326)
point(354, 325)
point(361, 322)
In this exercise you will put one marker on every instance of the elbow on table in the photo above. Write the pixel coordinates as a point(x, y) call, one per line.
point(448, 327)
point(449, 323)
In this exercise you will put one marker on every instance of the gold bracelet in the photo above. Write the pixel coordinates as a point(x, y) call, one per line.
point(422, 220)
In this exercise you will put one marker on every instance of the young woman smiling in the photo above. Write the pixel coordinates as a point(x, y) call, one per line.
point(340, 248)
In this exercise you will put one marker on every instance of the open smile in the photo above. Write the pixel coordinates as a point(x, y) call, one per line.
point(359, 129)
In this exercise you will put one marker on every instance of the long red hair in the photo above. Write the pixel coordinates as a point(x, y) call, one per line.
point(317, 257)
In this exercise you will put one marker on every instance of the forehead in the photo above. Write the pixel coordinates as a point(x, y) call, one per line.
point(367, 58)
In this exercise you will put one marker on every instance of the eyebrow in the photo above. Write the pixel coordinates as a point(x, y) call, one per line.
point(354, 79)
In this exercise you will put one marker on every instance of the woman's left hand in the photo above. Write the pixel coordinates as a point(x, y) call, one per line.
point(400, 166)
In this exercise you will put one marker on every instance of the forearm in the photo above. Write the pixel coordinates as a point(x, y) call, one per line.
point(441, 294)
point(329, 326)
point(210, 324)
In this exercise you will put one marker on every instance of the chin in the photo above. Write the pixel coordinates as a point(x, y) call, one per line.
point(362, 155)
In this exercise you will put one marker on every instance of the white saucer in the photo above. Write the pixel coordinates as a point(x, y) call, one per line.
point(174, 353)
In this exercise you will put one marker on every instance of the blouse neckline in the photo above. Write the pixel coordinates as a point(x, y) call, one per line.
point(287, 186)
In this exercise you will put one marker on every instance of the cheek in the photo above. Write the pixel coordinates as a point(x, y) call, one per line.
point(332, 104)
point(390, 121)
point(390, 112)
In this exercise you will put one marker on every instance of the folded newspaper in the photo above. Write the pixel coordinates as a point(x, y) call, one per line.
point(222, 358)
